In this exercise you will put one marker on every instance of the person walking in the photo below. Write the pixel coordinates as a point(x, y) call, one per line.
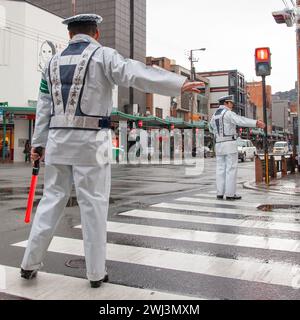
point(224, 126)
point(27, 151)
point(75, 103)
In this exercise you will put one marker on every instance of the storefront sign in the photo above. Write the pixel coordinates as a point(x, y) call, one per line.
point(24, 117)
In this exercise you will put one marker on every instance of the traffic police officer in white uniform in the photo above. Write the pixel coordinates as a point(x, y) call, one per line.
point(75, 103)
point(224, 125)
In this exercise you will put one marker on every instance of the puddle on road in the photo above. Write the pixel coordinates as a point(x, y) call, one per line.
point(279, 208)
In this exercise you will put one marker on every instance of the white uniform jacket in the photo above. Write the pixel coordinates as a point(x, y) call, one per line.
point(229, 122)
point(107, 68)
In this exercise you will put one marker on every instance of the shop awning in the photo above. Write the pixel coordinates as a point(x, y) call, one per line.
point(10, 109)
point(150, 121)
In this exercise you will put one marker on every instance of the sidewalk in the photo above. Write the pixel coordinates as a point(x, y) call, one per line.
point(287, 185)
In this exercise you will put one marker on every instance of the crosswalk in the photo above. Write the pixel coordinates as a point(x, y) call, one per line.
point(203, 248)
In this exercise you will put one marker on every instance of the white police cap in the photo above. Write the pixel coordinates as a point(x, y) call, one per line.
point(83, 18)
point(227, 99)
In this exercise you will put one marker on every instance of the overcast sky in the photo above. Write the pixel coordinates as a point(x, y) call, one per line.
point(229, 29)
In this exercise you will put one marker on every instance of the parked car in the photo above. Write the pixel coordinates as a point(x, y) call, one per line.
point(204, 150)
point(246, 150)
point(281, 147)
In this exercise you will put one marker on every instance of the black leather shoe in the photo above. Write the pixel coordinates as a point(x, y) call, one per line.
point(220, 197)
point(28, 275)
point(235, 198)
point(97, 284)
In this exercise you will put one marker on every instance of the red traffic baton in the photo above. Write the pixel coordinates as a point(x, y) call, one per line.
point(34, 180)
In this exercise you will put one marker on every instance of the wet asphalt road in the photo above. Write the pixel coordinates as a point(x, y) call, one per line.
point(138, 188)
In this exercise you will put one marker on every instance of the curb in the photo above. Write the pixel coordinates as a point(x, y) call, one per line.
point(252, 186)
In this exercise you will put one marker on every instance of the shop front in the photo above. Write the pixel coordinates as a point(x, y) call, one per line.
point(16, 127)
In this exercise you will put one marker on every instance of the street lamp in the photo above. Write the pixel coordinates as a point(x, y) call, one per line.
point(193, 76)
point(192, 59)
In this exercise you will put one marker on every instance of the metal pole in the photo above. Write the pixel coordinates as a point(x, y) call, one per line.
point(131, 40)
point(4, 136)
point(298, 67)
point(266, 130)
point(192, 79)
point(74, 7)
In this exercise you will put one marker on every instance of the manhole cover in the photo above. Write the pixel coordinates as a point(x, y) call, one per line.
point(76, 264)
point(280, 207)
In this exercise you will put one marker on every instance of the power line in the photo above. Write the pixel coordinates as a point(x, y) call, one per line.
point(22, 35)
point(285, 3)
point(34, 30)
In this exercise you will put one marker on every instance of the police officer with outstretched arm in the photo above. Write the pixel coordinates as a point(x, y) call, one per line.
point(224, 126)
point(75, 103)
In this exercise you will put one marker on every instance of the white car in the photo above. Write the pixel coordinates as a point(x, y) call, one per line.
point(281, 147)
point(246, 150)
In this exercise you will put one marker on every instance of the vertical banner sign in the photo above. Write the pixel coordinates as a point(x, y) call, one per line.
point(295, 126)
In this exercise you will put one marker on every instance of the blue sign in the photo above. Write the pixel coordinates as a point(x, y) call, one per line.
point(1, 112)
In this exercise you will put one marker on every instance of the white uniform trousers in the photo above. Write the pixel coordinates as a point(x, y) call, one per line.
point(93, 186)
point(227, 166)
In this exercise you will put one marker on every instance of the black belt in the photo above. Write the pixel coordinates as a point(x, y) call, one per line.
point(105, 123)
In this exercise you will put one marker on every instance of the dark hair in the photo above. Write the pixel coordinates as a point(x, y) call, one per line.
point(85, 28)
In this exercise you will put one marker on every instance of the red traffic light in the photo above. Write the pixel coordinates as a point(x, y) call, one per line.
point(140, 123)
point(263, 62)
point(262, 54)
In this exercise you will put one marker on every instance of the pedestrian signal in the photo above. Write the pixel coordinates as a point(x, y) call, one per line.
point(263, 62)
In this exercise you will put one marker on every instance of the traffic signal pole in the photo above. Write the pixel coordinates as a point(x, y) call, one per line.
point(263, 69)
point(266, 145)
point(298, 68)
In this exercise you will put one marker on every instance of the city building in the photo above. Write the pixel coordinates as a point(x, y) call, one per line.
point(223, 83)
point(178, 107)
point(191, 108)
point(251, 108)
point(123, 28)
point(255, 92)
point(29, 36)
point(281, 115)
point(158, 105)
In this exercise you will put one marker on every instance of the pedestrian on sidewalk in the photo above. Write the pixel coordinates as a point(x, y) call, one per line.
point(75, 103)
point(26, 151)
point(224, 126)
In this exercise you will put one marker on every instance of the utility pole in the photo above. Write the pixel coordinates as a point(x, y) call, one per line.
point(131, 40)
point(298, 68)
point(74, 7)
point(193, 77)
point(291, 17)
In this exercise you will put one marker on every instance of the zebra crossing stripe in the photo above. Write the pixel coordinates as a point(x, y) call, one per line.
point(45, 287)
point(241, 223)
point(248, 270)
point(240, 204)
point(250, 206)
point(203, 209)
point(228, 239)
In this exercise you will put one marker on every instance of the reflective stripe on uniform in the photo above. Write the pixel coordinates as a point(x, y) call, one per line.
point(85, 123)
point(68, 80)
point(44, 87)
